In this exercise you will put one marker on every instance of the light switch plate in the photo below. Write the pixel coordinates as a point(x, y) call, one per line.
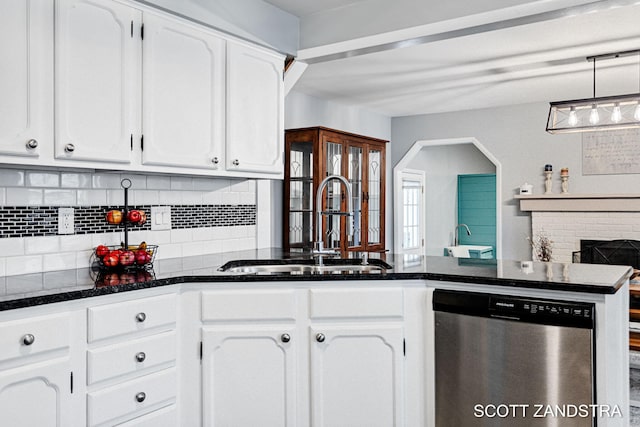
point(160, 218)
point(66, 223)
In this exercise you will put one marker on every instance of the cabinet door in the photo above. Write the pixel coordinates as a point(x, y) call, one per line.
point(375, 199)
point(97, 80)
point(249, 376)
point(37, 395)
point(255, 110)
point(355, 174)
point(356, 376)
point(26, 77)
point(182, 95)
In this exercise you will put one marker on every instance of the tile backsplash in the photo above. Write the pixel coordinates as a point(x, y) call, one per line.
point(207, 214)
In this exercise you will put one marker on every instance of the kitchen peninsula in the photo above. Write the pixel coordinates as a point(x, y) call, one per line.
point(192, 344)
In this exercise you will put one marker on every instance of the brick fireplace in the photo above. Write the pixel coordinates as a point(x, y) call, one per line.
point(568, 219)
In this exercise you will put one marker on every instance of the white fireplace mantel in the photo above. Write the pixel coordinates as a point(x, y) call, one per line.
point(580, 202)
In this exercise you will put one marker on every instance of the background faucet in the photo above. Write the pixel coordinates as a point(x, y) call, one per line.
point(455, 233)
point(319, 244)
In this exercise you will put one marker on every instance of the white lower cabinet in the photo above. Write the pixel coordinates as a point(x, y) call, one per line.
point(37, 394)
point(356, 375)
point(131, 360)
point(36, 367)
point(249, 376)
point(313, 361)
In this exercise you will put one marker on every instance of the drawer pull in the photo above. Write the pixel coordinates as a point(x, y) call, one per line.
point(28, 339)
point(285, 337)
point(320, 337)
point(141, 356)
point(32, 144)
point(69, 148)
point(141, 317)
point(140, 397)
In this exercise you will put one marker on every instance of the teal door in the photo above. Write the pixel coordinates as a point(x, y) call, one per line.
point(477, 209)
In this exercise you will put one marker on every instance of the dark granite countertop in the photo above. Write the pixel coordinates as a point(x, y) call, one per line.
point(65, 285)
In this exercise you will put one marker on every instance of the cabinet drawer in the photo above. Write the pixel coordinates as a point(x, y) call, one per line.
point(131, 316)
point(45, 333)
point(249, 305)
point(355, 303)
point(165, 417)
point(124, 399)
point(135, 355)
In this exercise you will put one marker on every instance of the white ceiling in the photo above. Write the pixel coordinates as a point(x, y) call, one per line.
point(537, 59)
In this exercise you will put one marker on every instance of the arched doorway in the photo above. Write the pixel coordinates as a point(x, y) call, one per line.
point(442, 161)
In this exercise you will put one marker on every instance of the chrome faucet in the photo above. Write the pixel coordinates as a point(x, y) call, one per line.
point(455, 233)
point(319, 243)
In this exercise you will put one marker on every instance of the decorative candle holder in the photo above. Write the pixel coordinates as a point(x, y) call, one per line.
point(565, 184)
point(564, 176)
point(547, 182)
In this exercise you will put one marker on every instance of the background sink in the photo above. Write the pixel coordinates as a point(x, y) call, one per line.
point(469, 251)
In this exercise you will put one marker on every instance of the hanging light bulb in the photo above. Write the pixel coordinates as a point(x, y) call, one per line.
point(616, 115)
point(636, 115)
point(573, 117)
point(594, 117)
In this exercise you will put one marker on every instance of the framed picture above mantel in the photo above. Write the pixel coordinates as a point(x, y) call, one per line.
point(611, 152)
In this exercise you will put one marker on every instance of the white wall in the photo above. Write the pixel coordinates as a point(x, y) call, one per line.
point(302, 110)
point(442, 165)
point(516, 136)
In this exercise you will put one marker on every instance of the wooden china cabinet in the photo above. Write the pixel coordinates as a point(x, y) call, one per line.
point(311, 154)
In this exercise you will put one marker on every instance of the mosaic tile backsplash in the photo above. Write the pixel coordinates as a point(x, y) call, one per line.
point(208, 215)
point(25, 221)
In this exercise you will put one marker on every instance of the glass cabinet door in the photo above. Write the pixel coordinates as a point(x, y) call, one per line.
point(374, 197)
point(333, 195)
point(355, 177)
point(301, 195)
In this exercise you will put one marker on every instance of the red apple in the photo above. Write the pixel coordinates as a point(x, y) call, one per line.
point(101, 251)
point(134, 216)
point(142, 257)
point(111, 259)
point(114, 217)
point(127, 258)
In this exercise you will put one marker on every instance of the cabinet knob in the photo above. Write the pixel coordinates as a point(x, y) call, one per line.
point(215, 160)
point(140, 397)
point(140, 357)
point(236, 162)
point(285, 337)
point(141, 317)
point(32, 143)
point(28, 339)
point(320, 337)
point(69, 148)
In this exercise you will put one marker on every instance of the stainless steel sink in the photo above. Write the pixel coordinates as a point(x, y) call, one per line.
point(332, 266)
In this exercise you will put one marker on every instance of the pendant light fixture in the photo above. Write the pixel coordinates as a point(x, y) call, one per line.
point(592, 114)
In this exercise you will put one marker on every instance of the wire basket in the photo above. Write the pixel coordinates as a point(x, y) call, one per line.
point(117, 258)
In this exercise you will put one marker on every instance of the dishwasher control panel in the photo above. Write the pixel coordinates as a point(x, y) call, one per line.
point(533, 310)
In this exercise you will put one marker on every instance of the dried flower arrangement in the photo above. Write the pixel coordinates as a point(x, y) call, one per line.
point(542, 246)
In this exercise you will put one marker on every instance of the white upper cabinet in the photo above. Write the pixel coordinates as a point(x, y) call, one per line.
point(26, 78)
point(255, 111)
point(97, 80)
point(182, 95)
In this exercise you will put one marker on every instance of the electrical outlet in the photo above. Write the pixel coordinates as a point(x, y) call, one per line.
point(66, 224)
point(160, 218)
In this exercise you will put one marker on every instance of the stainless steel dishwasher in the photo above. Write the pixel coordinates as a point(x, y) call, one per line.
point(511, 361)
